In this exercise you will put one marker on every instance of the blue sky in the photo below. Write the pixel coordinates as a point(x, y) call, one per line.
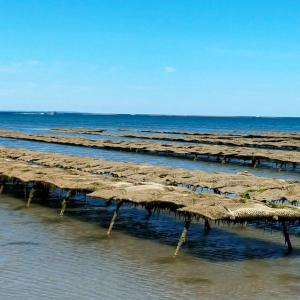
point(199, 57)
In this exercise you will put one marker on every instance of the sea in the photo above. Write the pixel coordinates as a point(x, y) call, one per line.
point(45, 256)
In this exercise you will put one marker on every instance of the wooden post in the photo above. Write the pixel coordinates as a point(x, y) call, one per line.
point(149, 210)
point(206, 226)
point(30, 196)
point(1, 188)
point(63, 207)
point(113, 219)
point(287, 236)
point(64, 203)
point(182, 238)
point(255, 163)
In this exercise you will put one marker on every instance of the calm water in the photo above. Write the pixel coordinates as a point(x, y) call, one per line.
point(45, 256)
point(150, 159)
point(37, 123)
point(201, 124)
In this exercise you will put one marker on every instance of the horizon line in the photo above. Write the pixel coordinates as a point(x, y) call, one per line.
point(138, 114)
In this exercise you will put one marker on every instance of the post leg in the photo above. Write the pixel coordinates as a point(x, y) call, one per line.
point(182, 238)
point(149, 210)
point(64, 203)
point(113, 219)
point(1, 188)
point(287, 237)
point(30, 196)
point(207, 226)
point(63, 207)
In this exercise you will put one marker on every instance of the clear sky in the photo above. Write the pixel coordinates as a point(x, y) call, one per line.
point(199, 57)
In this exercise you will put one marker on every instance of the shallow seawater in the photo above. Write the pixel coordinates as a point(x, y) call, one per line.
point(146, 158)
point(42, 121)
point(44, 256)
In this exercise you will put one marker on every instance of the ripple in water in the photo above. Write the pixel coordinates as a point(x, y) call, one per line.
point(45, 256)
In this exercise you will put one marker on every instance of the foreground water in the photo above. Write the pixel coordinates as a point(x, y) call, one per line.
point(45, 256)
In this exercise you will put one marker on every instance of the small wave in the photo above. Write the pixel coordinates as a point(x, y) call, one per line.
point(30, 113)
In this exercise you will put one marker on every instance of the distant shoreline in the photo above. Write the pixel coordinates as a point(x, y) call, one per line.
point(147, 115)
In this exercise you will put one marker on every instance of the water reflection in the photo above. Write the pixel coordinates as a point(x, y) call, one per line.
point(71, 257)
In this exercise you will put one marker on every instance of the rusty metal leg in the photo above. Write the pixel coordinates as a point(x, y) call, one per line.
point(63, 207)
point(1, 188)
point(149, 210)
point(207, 226)
point(30, 197)
point(64, 203)
point(182, 238)
point(287, 237)
point(113, 219)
